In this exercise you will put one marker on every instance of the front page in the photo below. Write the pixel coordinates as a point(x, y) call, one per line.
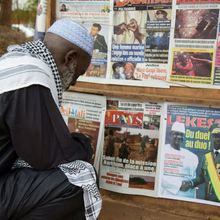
point(94, 16)
point(194, 41)
point(140, 43)
point(131, 39)
point(84, 113)
point(187, 148)
point(129, 157)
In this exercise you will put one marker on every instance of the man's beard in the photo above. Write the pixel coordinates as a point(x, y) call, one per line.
point(67, 78)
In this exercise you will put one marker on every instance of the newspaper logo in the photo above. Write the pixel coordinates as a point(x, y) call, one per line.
point(123, 3)
point(124, 119)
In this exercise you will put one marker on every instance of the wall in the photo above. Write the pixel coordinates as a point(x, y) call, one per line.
point(128, 207)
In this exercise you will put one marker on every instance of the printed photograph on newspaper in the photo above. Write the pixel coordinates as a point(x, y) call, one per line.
point(84, 113)
point(140, 43)
point(204, 25)
point(193, 66)
point(194, 39)
point(94, 16)
point(217, 61)
point(190, 154)
point(129, 158)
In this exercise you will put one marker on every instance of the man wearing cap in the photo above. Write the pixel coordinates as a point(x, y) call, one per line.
point(179, 165)
point(210, 168)
point(99, 40)
point(51, 177)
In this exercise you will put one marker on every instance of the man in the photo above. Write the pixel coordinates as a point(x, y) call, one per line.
point(99, 40)
point(179, 165)
point(129, 71)
point(118, 71)
point(134, 27)
point(130, 32)
point(184, 65)
point(110, 144)
point(120, 28)
point(144, 144)
point(124, 150)
point(210, 169)
point(48, 180)
point(161, 15)
point(63, 7)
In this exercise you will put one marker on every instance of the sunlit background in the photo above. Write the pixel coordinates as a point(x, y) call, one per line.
point(17, 22)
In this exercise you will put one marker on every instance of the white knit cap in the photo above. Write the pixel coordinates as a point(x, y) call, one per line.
point(178, 126)
point(74, 33)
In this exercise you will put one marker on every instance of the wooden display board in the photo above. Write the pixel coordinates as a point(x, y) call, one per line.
point(127, 207)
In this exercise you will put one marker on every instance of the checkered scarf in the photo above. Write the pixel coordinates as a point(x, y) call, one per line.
point(79, 173)
point(38, 49)
point(82, 174)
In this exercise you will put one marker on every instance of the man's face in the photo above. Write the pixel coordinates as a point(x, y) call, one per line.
point(68, 77)
point(129, 70)
point(216, 141)
point(70, 73)
point(176, 139)
point(94, 31)
point(119, 69)
point(159, 15)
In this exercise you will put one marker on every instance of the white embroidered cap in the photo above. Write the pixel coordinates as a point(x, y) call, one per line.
point(178, 126)
point(74, 33)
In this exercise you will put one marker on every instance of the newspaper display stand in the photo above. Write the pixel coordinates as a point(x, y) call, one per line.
point(131, 207)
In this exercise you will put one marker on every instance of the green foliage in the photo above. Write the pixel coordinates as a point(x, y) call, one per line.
point(26, 15)
point(31, 5)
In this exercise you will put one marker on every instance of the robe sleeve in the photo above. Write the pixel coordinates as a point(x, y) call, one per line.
point(38, 132)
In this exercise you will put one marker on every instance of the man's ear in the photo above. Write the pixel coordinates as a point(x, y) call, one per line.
point(71, 57)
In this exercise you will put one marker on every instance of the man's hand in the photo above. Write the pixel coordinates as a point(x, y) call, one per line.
point(85, 141)
point(132, 25)
point(120, 29)
point(186, 185)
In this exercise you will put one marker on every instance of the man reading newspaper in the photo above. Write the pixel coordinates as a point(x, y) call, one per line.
point(52, 178)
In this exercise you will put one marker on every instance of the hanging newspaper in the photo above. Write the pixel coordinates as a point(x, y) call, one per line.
point(194, 41)
point(217, 60)
point(140, 42)
point(137, 51)
point(129, 157)
point(94, 16)
point(85, 113)
point(189, 168)
point(40, 26)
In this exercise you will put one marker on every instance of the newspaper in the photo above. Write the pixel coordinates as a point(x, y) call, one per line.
point(84, 113)
point(194, 41)
point(129, 156)
point(94, 16)
point(190, 136)
point(131, 39)
point(217, 60)
point(140, 43)
point(140, 46)
point(40, 26)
